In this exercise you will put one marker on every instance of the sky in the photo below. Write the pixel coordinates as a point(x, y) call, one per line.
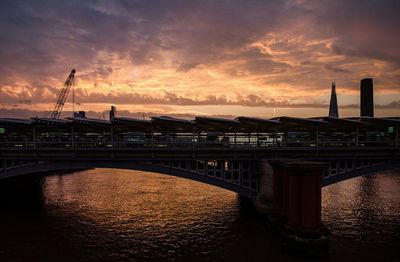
point(228, 58)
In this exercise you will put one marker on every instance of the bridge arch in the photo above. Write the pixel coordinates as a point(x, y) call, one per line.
point(50, 166)
point(357, 172)
point(188, 173)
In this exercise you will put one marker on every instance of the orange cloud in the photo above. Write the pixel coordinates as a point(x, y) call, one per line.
point(190, 56)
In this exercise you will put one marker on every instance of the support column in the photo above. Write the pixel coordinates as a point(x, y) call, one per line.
point(193, 138)
point(234, 138)
point(112, 136)
point(304, 232)
point(34, 136)
point(279, 213)
point(112, 140)
point(73, 136)
point(357, 134)
point(272, 199)
point(264, 199)
point(199, 138)
point(152, 139)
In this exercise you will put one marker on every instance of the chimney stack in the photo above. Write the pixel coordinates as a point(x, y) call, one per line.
point(367, 98)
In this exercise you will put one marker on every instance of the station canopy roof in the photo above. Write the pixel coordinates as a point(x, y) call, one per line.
point(50, 121)
point(300, 122)
point(131, 121)
point(15, 121)
point(339, 122)
point(215, 124)
point(392, 117)
point(203, 123)
point(89, 121)
point(256, 124)
point(394, 120)
point(171, 123)
point(379, 122)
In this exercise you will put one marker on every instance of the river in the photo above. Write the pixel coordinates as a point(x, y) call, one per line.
point(119, 215)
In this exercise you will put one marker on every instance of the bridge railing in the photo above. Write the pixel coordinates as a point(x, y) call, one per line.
point(17, 144)
point(197, 144)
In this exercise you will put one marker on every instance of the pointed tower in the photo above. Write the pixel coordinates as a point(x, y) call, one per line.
point(333, 107)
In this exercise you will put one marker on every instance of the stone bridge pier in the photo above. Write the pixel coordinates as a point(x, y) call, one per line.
point(290, 195)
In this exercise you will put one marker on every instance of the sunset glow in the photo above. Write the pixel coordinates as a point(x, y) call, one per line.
point(209, 58)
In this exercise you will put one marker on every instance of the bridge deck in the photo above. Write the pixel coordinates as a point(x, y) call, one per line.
point(346, 143)
point(203, 132)
point(170, 153)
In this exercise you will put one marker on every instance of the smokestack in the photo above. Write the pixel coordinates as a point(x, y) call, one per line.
point(367, 98)
point(333, 107)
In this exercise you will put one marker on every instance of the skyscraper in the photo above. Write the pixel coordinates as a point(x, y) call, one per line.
point(333, 106)
point(367, 97)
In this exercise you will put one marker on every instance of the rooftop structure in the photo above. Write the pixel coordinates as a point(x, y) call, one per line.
point(366, 97)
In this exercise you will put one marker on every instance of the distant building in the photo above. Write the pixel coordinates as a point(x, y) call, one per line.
point(113, 112)
point(81, 114)
point(333, 106)
point(367, 98)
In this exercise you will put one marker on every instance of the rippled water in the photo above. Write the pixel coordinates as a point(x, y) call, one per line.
point(118, 215)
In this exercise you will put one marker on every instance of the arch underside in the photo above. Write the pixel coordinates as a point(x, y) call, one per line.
point(203, 176)
point(359, 171)
point(40, 167)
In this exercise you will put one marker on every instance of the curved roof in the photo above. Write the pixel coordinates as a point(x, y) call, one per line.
point(203, 123)
point(339, 121)
point(130, 121)
point(256, 124)
point(300, 121)
point(89, 121)
point(177, 124)
point(377, 121)
point(50, 121)
point(395, 120)
point(255, 121)
point(215, 123)
point(15, 121)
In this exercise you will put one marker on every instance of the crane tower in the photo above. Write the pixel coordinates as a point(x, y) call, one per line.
point(63, 95)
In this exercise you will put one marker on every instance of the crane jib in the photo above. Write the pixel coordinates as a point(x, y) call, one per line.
point(63, 95)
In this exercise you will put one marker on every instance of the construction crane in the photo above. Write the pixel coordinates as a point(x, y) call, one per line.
point(63, 95)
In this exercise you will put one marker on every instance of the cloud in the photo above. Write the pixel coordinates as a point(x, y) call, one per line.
point(197, 52)
point(26, 114)
point(167, 98)
point(186, 67)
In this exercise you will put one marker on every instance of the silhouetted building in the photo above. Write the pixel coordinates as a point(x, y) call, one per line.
point(333, 106)
point(81, 114)
point(113, 112)
point(367, 98)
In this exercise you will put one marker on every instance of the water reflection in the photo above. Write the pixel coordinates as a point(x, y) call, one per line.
point(365, 209)
point(117, 215)
point(142, 213)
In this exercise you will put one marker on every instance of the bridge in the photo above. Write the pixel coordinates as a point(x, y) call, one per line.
point(279, 163)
